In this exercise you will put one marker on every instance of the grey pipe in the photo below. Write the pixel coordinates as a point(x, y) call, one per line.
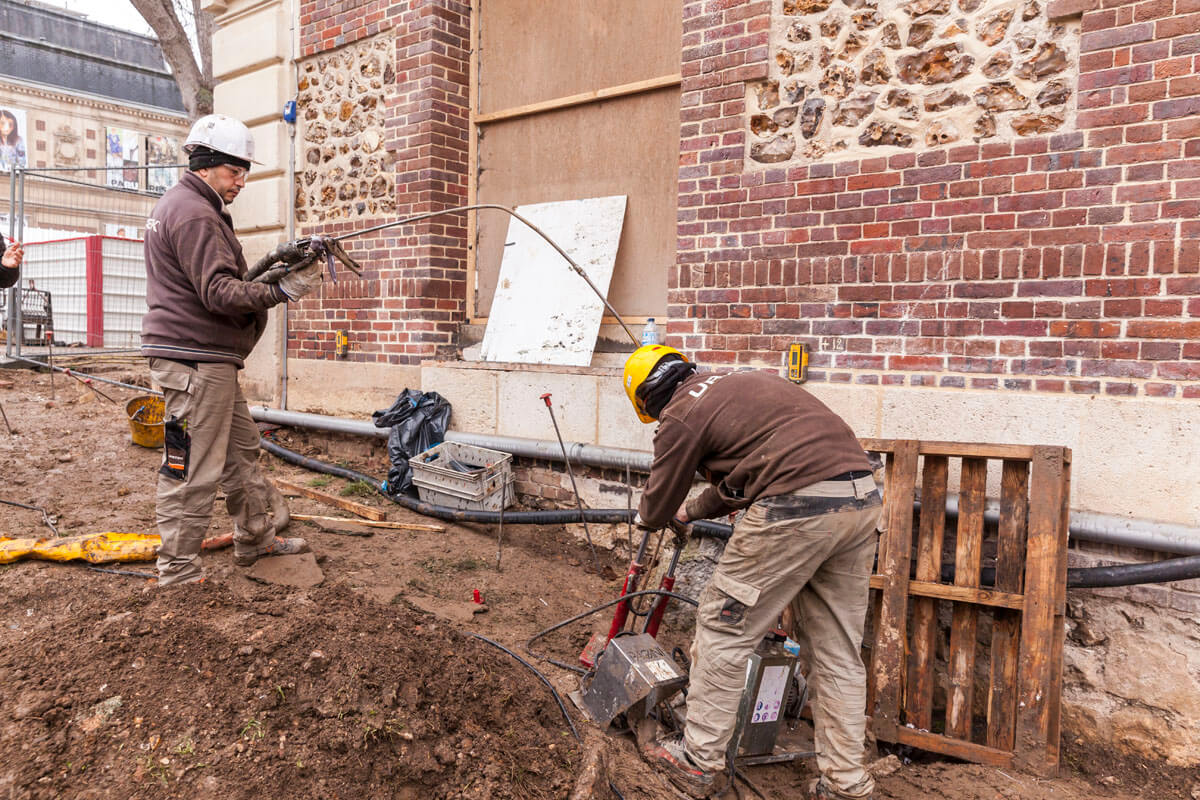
point(1085, 526)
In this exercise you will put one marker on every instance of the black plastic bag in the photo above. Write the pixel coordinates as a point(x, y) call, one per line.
point(418, 421)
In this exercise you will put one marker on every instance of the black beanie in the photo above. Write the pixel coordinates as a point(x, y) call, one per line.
point(656, 391)
point(202, 157)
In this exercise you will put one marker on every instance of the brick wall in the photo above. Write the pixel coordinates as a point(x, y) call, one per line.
point(1060, 263)
point(414, 297)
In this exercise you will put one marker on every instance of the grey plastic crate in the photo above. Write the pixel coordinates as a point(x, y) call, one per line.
point(477, 490)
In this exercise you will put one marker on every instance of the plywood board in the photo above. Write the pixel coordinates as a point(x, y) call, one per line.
point(543, 312)
point(532, 50)
point(629, 146)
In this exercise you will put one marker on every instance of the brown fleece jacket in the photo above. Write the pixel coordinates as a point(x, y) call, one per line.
point(752, 434)
point(200, 309)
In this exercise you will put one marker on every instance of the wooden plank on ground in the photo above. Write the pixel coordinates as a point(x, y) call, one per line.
point(888, 656)
point(960, 669)
point(1006, 627)
point(341, 502)
point(919, 701)
point(395, 526)
point(952, 747)
point(1038, 689)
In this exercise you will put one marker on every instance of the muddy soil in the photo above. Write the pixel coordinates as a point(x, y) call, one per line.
point(367, 685)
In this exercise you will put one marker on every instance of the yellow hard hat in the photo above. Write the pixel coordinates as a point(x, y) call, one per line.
point(638, 367)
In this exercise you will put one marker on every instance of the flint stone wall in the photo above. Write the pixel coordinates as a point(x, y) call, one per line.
point(345, 170)
point(858, 77)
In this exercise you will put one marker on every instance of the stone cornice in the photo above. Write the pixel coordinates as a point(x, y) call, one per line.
point(93, 101)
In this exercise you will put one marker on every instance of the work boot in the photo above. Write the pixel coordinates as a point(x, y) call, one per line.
point(244, 555)
point(820, 790)
point(670, 757)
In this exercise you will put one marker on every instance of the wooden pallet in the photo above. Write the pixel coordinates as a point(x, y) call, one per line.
point(1028, 548)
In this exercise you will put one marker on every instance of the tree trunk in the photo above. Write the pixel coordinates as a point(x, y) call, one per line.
point(193, 84)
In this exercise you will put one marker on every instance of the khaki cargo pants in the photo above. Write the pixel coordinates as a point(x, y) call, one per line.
point(222, 453)
point(813, 549)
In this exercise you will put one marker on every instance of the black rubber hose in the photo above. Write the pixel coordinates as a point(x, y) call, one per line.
point(557, 697)
point(557, 517)
point(1172, 569)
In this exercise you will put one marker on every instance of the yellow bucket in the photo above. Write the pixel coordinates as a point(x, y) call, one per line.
point(146, 420)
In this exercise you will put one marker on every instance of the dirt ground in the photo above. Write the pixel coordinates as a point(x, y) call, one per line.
point(368, 685)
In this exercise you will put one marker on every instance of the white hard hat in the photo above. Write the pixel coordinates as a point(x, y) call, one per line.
point(223, 134)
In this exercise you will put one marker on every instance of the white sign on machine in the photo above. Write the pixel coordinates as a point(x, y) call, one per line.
point(543, 312)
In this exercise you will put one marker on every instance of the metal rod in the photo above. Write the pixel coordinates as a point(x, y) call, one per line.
point(478, 206)
point(575, 488)
point(109, 381)
point(18, 337)
point(46, 518)
point(50, 359)
point(11, 432)
point(88, 383)
point(15, 291)
point(500, 532)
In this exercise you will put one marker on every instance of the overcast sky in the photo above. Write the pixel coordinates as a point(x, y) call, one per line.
point(118, 13)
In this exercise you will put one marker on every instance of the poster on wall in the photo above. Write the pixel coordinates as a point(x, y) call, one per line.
point(12, 138)
point(120, 230)
point(161, 150)
point(122, 161)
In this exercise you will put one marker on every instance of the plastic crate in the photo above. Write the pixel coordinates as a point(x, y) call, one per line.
point(481, 489)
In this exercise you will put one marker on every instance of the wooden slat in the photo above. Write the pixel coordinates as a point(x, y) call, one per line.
point(1006, 627)
point(964, 449)
point(341, 502)
point(607, 93)
point(951, 747)
point(1054, 696)
point(919, 700)
point(395, 526)
point(1038, 688)
point(967, 560)
point(920, 590)
point(890, 628)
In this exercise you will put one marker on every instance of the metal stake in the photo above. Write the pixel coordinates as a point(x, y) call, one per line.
point(50, 359)
point(574, 487)
point(500, 534)
point(11, 432)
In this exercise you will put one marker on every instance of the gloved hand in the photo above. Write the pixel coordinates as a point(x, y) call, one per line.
point(300, 282)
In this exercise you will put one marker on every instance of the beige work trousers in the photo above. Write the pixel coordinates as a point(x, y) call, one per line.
point(814, 550)
point(223, 453)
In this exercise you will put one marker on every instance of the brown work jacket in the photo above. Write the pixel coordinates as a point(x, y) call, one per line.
point(200, 309)
point(752, 434)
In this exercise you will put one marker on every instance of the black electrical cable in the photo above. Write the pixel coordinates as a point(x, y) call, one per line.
point(1166, 571)
point(588, 613)
point(557, 697)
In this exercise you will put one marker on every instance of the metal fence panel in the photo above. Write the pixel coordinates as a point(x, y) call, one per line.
point(82, 228)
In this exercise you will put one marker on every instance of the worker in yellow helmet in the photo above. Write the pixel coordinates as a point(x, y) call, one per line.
point(807, 540)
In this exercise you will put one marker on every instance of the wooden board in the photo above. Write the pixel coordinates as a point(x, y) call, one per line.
point(341, 502)
point(924, 609)
point(968, 556)
point(395, 526)
point(890, 629)
point(1006, 626)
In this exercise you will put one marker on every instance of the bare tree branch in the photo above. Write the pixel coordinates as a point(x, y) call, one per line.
point(195, 82)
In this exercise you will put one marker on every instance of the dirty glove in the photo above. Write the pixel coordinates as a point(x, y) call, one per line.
point(298, 283)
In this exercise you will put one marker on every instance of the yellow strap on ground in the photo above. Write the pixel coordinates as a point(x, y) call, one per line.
point(96, 548)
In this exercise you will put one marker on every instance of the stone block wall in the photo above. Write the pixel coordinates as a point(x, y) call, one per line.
point(384, 87)
point(1049, 262)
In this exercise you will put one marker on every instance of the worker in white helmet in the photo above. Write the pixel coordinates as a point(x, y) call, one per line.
point(203, 320)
